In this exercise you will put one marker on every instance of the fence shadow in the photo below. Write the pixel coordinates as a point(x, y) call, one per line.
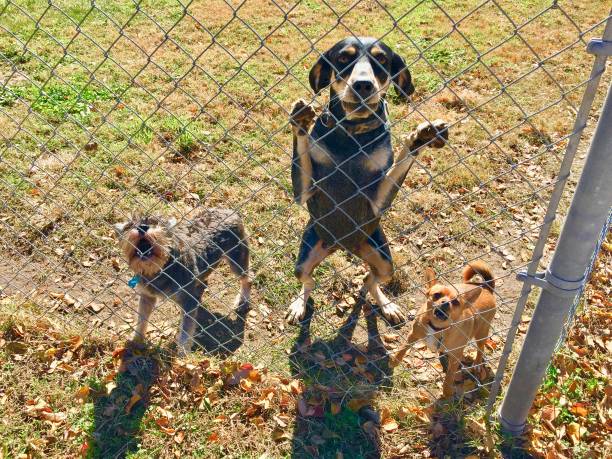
point(452, 433)
point(220, 334)
point(118, 415)
point(334, 417)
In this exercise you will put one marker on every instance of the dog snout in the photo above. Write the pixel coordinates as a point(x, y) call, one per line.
point(363, 88)
point(441, 312)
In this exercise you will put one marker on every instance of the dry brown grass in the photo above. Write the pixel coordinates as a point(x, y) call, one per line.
point(179, 121)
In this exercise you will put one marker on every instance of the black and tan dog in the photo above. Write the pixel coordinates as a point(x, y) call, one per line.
point(344, 169)
point(452, 316)
point(173, 260)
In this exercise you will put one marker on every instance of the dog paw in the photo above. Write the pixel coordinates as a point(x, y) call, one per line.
point(302, 115)
point(433, 134)
point(241, 305)
point(392, 313)
point(183, 348)
point(296, 312)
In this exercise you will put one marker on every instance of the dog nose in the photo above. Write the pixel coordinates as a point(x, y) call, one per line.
point(142, 229)
point(440, 312)
point(363, 87)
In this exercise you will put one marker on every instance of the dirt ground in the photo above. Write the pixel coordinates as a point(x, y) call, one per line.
point(164, 109)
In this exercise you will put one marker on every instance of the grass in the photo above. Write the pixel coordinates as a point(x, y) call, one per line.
point(117, 108)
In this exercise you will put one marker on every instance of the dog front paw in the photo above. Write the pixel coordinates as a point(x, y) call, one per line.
point(433, 134)
point(393, 313)
point(302, 116)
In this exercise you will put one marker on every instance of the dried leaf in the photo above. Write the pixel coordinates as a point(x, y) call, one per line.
point(82, 393)
point(279, 435)
point(389, 425)
point(574, 432)
point(246, 385)
point(53, 417)
point(579, 409)
point(135, 398)
point(76, 342)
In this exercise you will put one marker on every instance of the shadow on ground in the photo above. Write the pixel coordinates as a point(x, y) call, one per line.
point(453, 433)
point(220, 334)
point(118, 415)
point(335, 417)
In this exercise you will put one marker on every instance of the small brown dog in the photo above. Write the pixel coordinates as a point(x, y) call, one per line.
point(452, 316)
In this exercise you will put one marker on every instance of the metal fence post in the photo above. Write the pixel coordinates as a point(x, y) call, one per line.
point(565, 275)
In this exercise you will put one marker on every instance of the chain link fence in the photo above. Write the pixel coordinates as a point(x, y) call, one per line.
point(167, 108)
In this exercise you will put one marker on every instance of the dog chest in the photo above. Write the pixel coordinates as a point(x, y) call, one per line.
point(433, 339)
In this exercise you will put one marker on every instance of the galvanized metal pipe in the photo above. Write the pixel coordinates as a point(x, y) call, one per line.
point(560, 284)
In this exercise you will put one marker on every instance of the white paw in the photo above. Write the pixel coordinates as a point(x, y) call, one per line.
point(296, 311)
point(183, 347)
point(392, 313)
point(241, 304)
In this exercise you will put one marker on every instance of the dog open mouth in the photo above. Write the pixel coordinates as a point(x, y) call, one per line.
point(144, 249)
point(359, 108)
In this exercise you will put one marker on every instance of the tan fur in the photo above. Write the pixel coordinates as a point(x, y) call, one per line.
point(471, 318)
point(152, 265)
point(377, 160)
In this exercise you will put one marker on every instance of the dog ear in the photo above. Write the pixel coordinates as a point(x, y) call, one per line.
point(120, 228)
point(471, 296)
point(430, 278)
point(402, 79)
point(320, 73)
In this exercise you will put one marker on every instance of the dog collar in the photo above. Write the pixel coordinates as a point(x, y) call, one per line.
point(134, 281)
point(360, 126)
point(436, 329)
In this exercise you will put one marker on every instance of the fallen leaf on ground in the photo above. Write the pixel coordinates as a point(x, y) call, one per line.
point(82, 393)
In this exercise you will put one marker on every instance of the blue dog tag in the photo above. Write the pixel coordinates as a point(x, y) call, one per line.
point(134, 281)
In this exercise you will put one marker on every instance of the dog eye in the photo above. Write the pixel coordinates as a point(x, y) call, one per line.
point(455, 302)
point(382, 59)
point(344, 58)
point(437, 296)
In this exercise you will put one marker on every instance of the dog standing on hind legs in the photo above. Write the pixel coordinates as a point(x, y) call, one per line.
point(343, 169)
point(173, 260)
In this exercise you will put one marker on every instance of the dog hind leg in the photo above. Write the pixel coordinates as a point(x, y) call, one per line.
point(311, 254)
point(238, 259)
point(375, 252)
point(189, 301)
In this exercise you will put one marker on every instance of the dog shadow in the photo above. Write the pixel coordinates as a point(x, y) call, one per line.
point(219, 334)
point(453, 433)
point(335, 417)
point(118, 415)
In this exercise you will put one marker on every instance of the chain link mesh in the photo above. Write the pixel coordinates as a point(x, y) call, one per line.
point(168, 107)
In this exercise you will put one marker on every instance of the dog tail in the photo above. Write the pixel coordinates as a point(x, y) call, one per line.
point(479, 267)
